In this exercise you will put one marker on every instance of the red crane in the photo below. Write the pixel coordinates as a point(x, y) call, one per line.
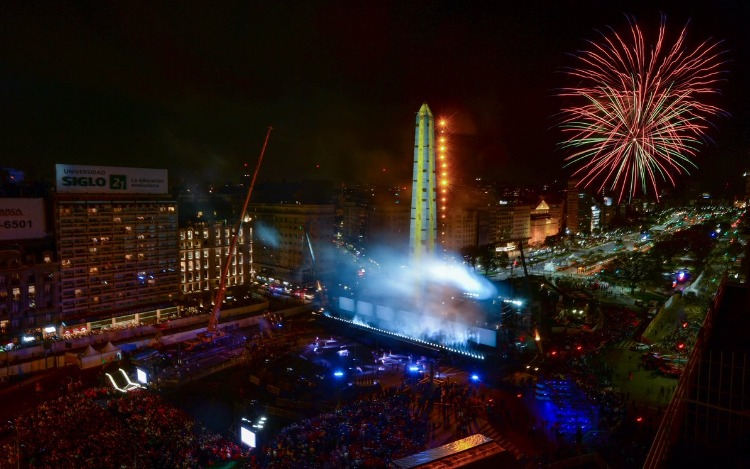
point(213, 322)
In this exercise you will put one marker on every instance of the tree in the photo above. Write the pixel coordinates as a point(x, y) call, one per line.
point(666, 250)
point(486, 257)
point(633, 268)
point(470, 254)
point(698, 242)
point(483, 255)
point(503, 259)
point(733, 251)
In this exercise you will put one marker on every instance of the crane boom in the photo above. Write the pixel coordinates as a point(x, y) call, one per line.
point(213, 321)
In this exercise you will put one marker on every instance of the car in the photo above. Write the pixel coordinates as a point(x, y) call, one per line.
point(670, 371)
point(640, 347)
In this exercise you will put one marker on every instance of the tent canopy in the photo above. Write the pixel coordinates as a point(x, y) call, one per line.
point(109, 348)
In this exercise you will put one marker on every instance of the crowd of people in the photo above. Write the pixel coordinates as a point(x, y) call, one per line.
point(97, 428)
point(368, 432)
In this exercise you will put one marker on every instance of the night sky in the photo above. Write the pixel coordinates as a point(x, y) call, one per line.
point(193, 86)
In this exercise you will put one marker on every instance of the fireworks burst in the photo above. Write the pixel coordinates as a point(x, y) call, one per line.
point(637, 115)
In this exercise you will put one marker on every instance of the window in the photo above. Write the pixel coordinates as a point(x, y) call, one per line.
point(32, 297)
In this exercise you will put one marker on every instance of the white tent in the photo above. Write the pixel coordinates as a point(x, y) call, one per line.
point(109, 353)
point(109, 348)
point(91, 357)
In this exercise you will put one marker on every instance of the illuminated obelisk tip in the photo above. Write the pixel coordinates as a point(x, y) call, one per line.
point(423, 229)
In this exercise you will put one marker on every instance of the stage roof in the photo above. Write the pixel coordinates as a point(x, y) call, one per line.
point(472, 451)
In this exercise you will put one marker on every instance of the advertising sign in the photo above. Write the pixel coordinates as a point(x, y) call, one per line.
point(110, 180)
point(21, 218)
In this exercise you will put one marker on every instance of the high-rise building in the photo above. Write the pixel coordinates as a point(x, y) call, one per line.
point(285, 234)
point(460, 229)
point(706, 422)
point(424, 217)
point(204, 249)
point(388, 226)
point(353, 206)
point(28, 288)
point(543, 223)
point(28, 269)
point(596, 218)
point(578, 209)
point(116, 231)
point(503, 223)
point(521, 222)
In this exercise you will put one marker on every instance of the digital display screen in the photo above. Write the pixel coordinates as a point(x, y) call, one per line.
point(141, 375)
point(247, 437)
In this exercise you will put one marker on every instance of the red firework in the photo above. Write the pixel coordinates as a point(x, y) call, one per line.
point(639, 110)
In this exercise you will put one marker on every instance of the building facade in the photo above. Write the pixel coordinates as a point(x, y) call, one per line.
point(460, 229)
point(281, 250)
point(117, 255)
point(354, 210)
point(578, 209)
point(204, 249)
point(28, 289)
point(28, 265)
point(116, 230)
point(543, 223)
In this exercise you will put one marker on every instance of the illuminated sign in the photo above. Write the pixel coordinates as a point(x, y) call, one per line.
point(110, 180)
point(21, 218)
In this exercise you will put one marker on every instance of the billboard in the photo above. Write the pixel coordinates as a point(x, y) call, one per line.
point(21, 218)
point(109, 180)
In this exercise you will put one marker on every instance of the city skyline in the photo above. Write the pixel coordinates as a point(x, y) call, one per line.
point(194, 90)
